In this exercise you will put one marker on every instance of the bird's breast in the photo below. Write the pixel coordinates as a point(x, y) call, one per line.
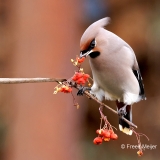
point(113, 78)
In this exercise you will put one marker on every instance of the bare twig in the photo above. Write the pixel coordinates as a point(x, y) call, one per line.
point(29, 80)
point(38, 80)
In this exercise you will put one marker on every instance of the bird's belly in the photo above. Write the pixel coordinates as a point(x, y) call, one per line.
point(111, 90)
point(106, 91)
point(106, 86)
point(103, 94)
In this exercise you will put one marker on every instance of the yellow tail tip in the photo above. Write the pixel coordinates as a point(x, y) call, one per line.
point(125, 130)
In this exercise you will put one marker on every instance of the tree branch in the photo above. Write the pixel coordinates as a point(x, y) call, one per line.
point(29, 80)
point(39, 80)
point(115, 112)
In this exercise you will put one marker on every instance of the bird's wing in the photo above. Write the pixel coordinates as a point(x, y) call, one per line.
point(137, 74)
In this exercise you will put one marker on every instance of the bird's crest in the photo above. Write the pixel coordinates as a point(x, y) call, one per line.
point(91, 32)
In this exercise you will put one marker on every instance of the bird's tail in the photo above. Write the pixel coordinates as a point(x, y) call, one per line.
point(123, 126)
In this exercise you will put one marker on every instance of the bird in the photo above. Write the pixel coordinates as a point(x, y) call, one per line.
point(115, 70)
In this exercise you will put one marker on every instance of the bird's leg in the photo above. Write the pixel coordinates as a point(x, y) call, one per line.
point(122, 111)
point(82, 90)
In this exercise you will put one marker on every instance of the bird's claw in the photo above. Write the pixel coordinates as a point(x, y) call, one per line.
point(82, 90)
point(122, 111)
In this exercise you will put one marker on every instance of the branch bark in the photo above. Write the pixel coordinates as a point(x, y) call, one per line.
point(39, 80)
point(29, 80)
point(112, 110)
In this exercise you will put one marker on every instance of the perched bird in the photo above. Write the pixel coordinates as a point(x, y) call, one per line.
point(116, 74)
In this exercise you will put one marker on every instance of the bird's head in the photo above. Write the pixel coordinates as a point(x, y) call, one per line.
point(90, 40)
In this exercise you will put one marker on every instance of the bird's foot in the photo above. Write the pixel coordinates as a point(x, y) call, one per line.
point(82, 90)
point(122, 111)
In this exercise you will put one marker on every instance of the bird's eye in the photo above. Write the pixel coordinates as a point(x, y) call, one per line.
point(93, 43)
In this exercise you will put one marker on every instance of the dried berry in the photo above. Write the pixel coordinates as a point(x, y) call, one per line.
point(106, 139)
point(65, 89)
point(140, 153)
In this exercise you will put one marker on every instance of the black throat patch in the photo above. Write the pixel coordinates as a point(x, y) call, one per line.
point(94, 54)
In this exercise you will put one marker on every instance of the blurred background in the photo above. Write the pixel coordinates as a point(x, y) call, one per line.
point(37, 39)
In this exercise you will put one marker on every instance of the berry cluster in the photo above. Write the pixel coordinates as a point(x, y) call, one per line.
point(104, 135)
point(62, 88)
point(80, 60)
point(80, 78)
point(65, 89)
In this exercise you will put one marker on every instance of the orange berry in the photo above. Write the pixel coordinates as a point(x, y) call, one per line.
point(99, 132)
point(86, 76)
point(106, 134)
point(79, 75)
point(69, 90)
point(80, 81)
point(80, 60)
point(65, 89)
point(140, 153)
point(114, 136)
point(74, 78)
point(111, 131)
point(106, 139)
point(97, 140)
point(76, 73)
point(60, 89)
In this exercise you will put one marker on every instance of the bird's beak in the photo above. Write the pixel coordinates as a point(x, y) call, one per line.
point(85, 54)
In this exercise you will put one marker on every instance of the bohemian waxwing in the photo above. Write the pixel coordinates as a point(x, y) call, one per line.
point(116, 75)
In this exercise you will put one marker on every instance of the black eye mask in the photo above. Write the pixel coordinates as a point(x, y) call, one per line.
point(91, 46)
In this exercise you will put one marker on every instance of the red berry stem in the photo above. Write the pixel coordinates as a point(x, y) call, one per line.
point(140, 153)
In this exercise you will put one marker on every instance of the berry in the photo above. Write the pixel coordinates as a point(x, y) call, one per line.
point(97, 140)
point(65, 89)
point(80, 81)
point(79, 75)
point(114, 136)
point(106, 134)
point(99, 132)
point(69, 90)
point(80, 60)
point(111, 131)
point(74, 78)
point(80, 78)
point(140, 153)
point(86, 76)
